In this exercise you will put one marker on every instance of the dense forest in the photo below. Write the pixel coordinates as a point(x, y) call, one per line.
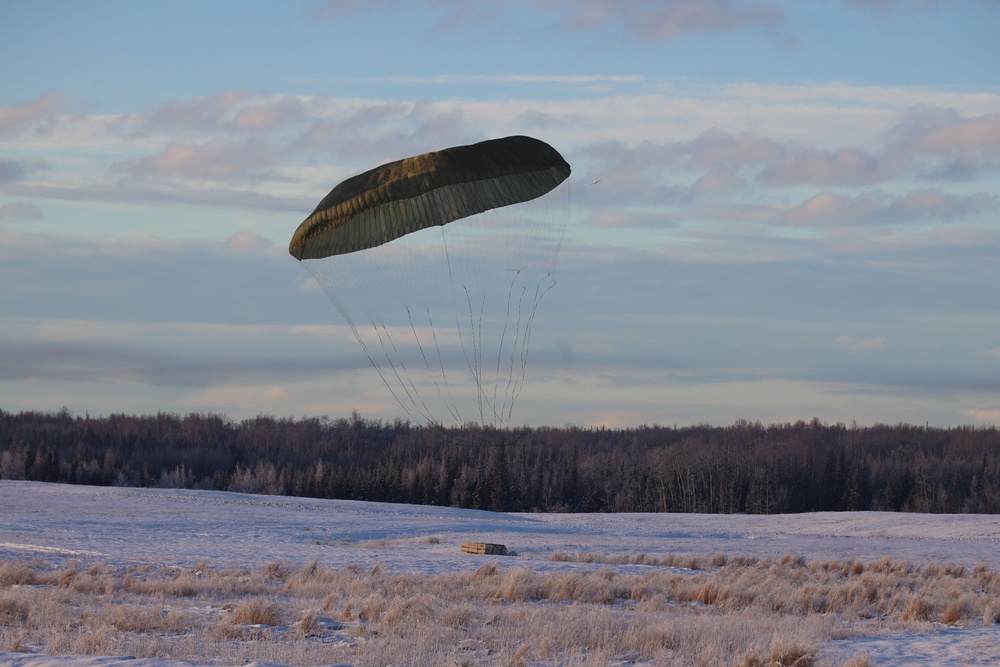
point(746, 467)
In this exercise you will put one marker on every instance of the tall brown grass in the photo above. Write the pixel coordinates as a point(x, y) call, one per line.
point(679, 610)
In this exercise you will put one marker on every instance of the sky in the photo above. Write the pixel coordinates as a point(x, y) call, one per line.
point(795, 212)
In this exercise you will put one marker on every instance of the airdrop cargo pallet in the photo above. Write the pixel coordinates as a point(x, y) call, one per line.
point(484, 548)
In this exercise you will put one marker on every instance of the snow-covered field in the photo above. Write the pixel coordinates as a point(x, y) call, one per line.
point(61, 524)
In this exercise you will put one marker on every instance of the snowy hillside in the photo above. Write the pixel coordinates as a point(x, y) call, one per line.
point(124, 526)
point(179, 527)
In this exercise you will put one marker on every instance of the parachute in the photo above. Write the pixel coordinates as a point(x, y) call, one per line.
point(436, 188)
point(438, 263)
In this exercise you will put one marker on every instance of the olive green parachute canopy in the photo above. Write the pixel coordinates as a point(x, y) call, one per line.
point(432, 189)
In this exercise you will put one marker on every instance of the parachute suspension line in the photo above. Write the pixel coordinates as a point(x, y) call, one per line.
point(346, 314)
point(541, 289)
point(482, 366)
point(475, 332)
point(452, 408)
point(378, 369)
point(476, 366)
point(394, 360)
point(532, 290)
point(500, 348)
point(425, 412)
point(381, 374)
point(567, 188)
point(518, 350)
point(407, 385)
point(544, 284)
point(503, 337)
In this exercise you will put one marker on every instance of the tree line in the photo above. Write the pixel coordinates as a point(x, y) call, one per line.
point(746, 467)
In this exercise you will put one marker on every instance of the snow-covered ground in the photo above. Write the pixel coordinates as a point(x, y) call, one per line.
point(124, 526)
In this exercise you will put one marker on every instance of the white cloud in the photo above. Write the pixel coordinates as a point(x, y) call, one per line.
point(647, 20)
point(340, 8)
point(248, 243)
point(12, 171)
point(821, 207)
point(214, 160)
point(717, 183)
point(22, 209)
point(612, 218)
point(36, 113)
point(946, 144)
point(880, 208)
point(208, 113)
point(857, 345)
point(694, 155)
point(989, 415)
point(585, 80)
point(227, 111)
point(145, 192)
point(961, 134)
point(940, 205)
point(669, 19)
point(845, 166)
point(887, 5)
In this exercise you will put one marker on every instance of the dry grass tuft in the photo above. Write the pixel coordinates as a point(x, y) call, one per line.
point(14, 609)
point(93, 640)
point(708, 593)
point(13, 639)
point(275, 572)
point(66, 577)
point(956, 611)
point(791, 560)
point(402, 612)
point(781, 653)
point(371, 609)
point(991, 614)
point(224, 631)
point(257, 612)
point(308, 625)
point(523, 656)
point(918, 609)
point(519, 585)
point(485, 571)
point(16, 573)
point(133, 618)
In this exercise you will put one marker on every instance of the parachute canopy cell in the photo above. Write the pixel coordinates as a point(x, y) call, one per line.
point(427, 190)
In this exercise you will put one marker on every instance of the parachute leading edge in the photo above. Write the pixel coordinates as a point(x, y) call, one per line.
point(427, 190)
